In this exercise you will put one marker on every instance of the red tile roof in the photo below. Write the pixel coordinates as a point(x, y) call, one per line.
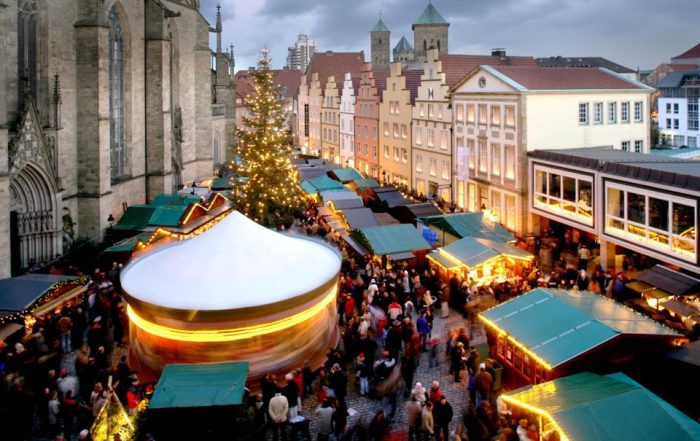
point(412, 81)
point(693, 52)
point(380, 77)
point(563, 78)
point(457, 67)
point(674, 66)
point(335, 64)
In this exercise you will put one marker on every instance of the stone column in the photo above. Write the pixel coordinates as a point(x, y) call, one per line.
point(92, 134)
point(158, 120)
point(5, 258)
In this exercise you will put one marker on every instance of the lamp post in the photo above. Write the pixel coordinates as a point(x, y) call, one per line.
point(110, 219)
point(383, 177)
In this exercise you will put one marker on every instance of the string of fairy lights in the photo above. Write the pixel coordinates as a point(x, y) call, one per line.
point(265, 153)
point(52, 293)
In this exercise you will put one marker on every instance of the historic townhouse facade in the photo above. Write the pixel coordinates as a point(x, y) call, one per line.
point(315, 103)
point(302, 116)
point(395, 116)
point(502, 112)
point(330, 122)
point(347, 121)
point(102, 104)
point(367, 122)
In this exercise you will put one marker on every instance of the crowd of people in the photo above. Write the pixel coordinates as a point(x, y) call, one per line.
point(56, 378)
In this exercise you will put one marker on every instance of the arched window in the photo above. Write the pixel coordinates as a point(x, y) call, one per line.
point(117, 142)
point(27, 45)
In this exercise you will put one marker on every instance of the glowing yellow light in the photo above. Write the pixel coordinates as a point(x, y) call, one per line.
point(513, 402)
point(515, 342)
point(234, 334)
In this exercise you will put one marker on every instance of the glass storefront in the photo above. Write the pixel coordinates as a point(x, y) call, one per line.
point(564, 194)
point(661, 221)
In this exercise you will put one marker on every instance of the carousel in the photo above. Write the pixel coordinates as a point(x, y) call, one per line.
point(237, 292)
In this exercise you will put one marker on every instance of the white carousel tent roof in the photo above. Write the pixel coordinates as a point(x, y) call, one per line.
point(235, 264)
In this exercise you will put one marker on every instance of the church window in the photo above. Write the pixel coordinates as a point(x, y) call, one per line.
point(27, 45)
point(117, 145)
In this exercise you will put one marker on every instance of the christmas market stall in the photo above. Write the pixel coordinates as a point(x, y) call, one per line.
point(452, 227)
point(191, 400)
point(24, 298)
point(407, 214)
point(236, 292)
point(345, 175)
point(660, 284)
point(393, 243)
point(313, 186)
point(360, 185)
point(481, 260)
point(340, 200)
point(383, 198)
point(592, 407)
point(550, 333)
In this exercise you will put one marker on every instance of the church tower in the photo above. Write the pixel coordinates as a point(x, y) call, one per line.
point(380, 46)
point(430, 30)
point(224, 95)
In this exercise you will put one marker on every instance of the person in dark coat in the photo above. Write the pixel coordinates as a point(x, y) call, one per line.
point(339, 382)
point(442, 415)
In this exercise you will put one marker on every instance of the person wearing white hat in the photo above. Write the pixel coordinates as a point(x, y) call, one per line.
point(482, 383)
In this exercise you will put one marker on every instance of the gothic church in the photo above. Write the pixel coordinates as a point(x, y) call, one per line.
point(103, 104)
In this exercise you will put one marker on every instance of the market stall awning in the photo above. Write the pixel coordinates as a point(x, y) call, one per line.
point(360, 218)
point(356, 246)
point(689, 354)
point(200, 385)
point(592, 407)
point(681, 308)
point(336, 223)
point(364, 184)
point(127, 245)
point(345, 174)
point(469, 224)
point(401, 256)
point(342, 199)
point(408, 213)
point(474, 251)
point(19, 293)
point(391, 239)
point(221, 184)
point(321, 183)
point(569, 323)
point(671, 281)
point(443, 260)
point(393, 198)
point(174, 199)
point(135, 218)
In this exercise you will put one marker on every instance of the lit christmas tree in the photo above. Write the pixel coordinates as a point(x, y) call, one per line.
point(270, 193)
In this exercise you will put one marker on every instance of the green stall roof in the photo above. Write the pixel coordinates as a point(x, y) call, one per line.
point(167, 215)
point(221, 184)
point(174, 199)
point(127, 245)
point(135, 218)
point(469, 224)
point(569, 323)
point(200, 385)
point(473, 251)
point(346, 174)
point(592, 407)
point(364, 184)
point(391, 239)
point(321, 183)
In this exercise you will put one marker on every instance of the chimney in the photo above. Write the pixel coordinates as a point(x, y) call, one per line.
point(499, 52)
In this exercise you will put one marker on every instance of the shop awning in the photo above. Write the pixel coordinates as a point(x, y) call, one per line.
point(408, 213)
point(393, 199)
point(469, 224)
point(443, 260)
point(689, 354)
point(321, 183)
point(221, 184)
point(681, 308)
point(324, 211)
point(671, 281)
point(342, 199)
point(174, 199)
point(360, 218)
point(356, 246)
point(336, 223)
point(569, 323)
point(592, 407)
point(391, 239)
point(200, 385)
point(9, 329)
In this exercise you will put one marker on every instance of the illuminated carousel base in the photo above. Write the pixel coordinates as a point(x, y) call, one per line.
point(277, 352)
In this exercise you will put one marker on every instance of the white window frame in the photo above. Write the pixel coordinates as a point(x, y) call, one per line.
point(598, 113)
point(419, 163)
point(638, 111)
point(555, 205)
point(583, 114)
point(625, 112)
point(432, 166)
point(639, 146)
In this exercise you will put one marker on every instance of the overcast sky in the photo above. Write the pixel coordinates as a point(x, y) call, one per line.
point(634, 33)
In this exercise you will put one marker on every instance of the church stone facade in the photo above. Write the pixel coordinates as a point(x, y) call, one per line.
point(103, 104)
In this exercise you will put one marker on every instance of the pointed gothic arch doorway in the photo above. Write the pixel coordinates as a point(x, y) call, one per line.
point(34, 232)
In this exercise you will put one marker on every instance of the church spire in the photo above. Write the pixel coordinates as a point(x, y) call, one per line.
point(218, 28)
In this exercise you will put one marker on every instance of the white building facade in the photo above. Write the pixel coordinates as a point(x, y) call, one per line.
point(678, 109)
point(501, 113)
point(347, 122)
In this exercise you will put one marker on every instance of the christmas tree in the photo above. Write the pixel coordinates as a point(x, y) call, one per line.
point(270, 193)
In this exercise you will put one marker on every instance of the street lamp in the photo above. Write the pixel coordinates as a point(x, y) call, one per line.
point(383, 177)
point(110, 219)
